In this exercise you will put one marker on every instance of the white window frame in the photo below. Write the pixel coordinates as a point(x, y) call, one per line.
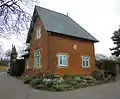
point(38, 32)
point(63, 55)
point(37, 59)
point(85, 61)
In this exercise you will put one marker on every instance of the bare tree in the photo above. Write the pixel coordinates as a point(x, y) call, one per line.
point(7, 54)
point(100, 57)
point(21, 49)
point(14, 16)
point(1, 50)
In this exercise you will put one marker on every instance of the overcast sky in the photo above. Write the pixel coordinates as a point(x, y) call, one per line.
point(99, 17)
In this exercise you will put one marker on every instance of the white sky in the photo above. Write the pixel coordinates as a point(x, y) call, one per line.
point(99, 17)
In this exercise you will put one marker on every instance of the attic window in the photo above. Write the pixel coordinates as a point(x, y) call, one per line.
point(38, 32)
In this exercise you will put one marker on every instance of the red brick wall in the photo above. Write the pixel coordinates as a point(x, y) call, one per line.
point(41, 44)
point(65, 45)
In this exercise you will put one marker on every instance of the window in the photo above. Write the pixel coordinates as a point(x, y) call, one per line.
point(63, 60)
point(37, 59)
point(38, 33)
point(85, 61)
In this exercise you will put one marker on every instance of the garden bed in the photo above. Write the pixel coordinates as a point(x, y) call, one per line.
point(65, 83)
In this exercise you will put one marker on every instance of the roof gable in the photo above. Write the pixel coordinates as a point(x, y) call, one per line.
point(14, 50)
point(62, 24)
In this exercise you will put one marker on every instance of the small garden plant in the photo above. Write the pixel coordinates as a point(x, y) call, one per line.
point(53, 83)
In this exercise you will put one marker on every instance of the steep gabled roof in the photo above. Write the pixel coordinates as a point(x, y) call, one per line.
point(14, 50)
point(62, 24)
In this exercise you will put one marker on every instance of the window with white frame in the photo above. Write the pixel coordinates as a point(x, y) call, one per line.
point(38, 32)
point(85, 61)
point(37, 59)
point(62, 60)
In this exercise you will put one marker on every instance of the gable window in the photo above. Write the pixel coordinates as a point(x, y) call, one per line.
point(62, 60)
point(37, 59)
point(85, 61)
point(38, 32)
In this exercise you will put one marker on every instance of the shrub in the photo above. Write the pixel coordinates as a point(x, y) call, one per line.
point(65, 76)
point(77, 86)
point(27, 80)
point(110, 67)
point(45, 80)
point(90, 81)
point(68, 80)
point(88, 78)
point(73, 76)
point(60, 80)
point(110, 77)
point(36, 81)
point(81, 85)
point(73, 83)
point(49, 84)
point(62, 87)
point(78, 79)
point(84, 84)
point(98, 74)
point(49, 76)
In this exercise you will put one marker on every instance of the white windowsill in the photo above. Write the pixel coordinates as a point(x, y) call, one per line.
point(62, 66)
point(85, 67)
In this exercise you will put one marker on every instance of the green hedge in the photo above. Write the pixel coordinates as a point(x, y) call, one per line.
point(110, 65)
point(98, 74)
